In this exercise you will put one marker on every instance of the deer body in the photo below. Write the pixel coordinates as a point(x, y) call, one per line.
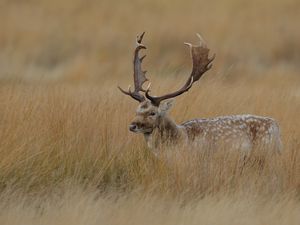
point(239, 131)
point(243, 132)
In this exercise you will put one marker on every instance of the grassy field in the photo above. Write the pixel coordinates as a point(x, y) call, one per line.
point(66, 155)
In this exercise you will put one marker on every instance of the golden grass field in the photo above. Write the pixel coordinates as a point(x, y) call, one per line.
point(66, 155)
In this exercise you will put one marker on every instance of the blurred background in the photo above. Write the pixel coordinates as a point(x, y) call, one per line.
point(64, 124)
point(89, 41)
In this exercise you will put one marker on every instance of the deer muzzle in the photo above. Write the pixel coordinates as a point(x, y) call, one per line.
point(133, 127)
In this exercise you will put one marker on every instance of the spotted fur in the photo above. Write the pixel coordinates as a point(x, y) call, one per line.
point(243, 132)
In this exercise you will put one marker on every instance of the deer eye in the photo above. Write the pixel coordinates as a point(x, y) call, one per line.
point(152, 114)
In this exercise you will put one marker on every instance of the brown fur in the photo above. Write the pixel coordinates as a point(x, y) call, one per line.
point(243, 132)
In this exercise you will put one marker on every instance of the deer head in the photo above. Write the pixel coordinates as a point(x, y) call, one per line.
point(152, 110)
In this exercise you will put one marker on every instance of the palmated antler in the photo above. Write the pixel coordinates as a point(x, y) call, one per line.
point(201, 64)
point(139, 76)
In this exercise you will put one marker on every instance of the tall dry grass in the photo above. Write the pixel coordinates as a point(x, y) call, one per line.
point(61, 139)
point(67, 156)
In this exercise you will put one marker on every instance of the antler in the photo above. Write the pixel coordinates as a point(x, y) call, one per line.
point(201, 64)
point(139, 76)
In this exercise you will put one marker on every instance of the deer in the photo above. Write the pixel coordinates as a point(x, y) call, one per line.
point(243, 132)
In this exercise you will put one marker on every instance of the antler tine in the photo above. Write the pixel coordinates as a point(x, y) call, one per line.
point(201, 64)
point(139, 38)
point(148, 87)
point(134, 95)
point(202, 42)
point(139, 76)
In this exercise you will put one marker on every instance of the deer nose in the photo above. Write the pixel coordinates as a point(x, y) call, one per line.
point(132, 127)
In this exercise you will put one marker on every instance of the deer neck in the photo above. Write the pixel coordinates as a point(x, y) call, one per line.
point(167, 128)
point(166, 131)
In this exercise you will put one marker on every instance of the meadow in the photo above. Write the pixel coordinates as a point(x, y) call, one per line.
point(66, 154)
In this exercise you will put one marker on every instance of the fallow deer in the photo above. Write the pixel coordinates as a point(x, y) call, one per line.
point(239, 131)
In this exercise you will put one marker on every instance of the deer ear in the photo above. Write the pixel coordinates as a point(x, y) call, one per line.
point(166, 105)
